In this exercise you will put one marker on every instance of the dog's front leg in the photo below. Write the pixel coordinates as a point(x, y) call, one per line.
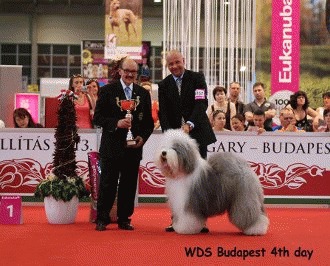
point(187, 223)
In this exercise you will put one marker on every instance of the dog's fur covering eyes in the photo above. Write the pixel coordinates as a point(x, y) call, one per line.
point(198, 188)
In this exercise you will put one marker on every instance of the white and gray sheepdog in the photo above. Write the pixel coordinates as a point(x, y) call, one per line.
point(198, 188)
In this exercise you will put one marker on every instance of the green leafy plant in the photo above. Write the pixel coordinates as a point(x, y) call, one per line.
point(63, 183)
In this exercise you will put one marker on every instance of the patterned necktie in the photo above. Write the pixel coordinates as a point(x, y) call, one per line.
point(179, 84)
point(128, 93)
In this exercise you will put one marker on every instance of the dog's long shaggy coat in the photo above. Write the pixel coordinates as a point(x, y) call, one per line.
point(198, 189)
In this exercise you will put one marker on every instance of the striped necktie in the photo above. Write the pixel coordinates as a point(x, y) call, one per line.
point(179, 84)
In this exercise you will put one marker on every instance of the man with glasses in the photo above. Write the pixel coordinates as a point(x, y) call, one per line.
point(120, 158)
point(288, 121)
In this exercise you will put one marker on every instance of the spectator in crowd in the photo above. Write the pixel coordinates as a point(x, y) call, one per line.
point(219, 121)
point(288, 121)
point(259, 118)
point(83, 106)
point(2, 124)
point(221, 103)
point(93, 88)
point(326, 105)
point(234, 94)
point(260, 103)
point(154, 104)
point(300, 105)
point(23, 119)
point(326, 117)
point(238, 123)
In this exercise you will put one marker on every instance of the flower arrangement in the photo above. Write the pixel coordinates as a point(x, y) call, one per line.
point(63, 183)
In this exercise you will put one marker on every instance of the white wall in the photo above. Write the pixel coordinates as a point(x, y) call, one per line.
point(67, 29)
point(10, 83)
point(15, 29)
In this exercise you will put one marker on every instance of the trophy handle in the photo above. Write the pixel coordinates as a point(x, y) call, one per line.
point(118, 103)
point(137, 102)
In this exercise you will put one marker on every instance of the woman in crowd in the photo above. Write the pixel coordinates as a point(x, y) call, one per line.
point(93, 88)
point(326, 103)
point(300, 105)
point(326, 117)
point(320, 110)
point(82, 104)
point(238, 123)
point(219, 121)
point(221, 103)
point(23, 119)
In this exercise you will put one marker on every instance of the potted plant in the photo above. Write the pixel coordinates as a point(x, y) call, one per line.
point(62, 188)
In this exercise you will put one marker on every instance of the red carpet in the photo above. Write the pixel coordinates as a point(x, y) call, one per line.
point(36, 242)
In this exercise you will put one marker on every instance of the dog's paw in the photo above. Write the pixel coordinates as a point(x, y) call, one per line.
point(259, 228)
point(189, 226)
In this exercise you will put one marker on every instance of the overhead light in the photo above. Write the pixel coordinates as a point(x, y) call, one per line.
point(157, 1)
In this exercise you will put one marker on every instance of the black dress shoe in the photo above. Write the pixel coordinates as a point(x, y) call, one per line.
point(100, 227)
point(205, 230)
point(169, 228)
point(125, 226)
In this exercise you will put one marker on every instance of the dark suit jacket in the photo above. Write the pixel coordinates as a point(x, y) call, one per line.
point(107, 113)
point(173, 107)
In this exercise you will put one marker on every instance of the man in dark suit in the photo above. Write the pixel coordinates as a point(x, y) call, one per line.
point(118, 159)
point(185, 107)
point(182, 97)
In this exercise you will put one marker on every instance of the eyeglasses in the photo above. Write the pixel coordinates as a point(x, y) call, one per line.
point(127, 71)
point(288, 118)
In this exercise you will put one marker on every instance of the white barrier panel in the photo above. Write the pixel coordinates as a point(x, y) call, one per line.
point(289, 165)
point(26, 157)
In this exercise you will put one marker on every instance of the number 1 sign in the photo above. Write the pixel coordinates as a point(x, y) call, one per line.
point(11, 210)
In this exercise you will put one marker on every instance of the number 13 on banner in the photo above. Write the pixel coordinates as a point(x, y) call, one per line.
point(11, 210)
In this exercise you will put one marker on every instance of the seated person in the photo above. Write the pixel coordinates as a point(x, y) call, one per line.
point(23, 119)
point(300, 104)
point(320, 110)
point(219, 121)
point(238, 123)
point(221, 103)
point(326, 117)
point(259, 118)
point(288, 121)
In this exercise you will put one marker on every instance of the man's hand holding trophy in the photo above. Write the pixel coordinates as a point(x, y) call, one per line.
point(129, 106)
